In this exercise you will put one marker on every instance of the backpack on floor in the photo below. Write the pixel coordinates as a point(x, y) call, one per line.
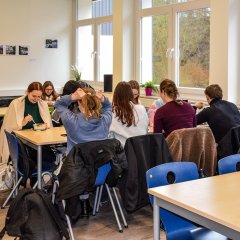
point(32, 215)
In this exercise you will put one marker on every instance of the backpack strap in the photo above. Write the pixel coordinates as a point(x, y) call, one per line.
point(12, 209)
point(2, 233)
point(62, 228)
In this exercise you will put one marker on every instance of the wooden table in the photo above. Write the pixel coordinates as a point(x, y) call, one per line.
point(3, 111)
point(36, 139)
point(212, 202)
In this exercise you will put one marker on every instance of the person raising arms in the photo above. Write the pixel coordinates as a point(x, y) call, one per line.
point(93, 120)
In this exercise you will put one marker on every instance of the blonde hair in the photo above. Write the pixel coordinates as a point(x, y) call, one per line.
point(91, 104)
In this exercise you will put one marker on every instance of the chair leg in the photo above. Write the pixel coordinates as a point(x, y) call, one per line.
point(96, 201)
point(99, 198)
point(55, 186)
point(114, 209)
point(54, 191)
point(35, 185)
point(120, 208)
point(43, 183)
point(68, 223)
point(12, 192)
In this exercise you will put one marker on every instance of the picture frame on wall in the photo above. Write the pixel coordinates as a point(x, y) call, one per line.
point(2, 52)
point(23, 50)
point(11, 50)
point(51, 43)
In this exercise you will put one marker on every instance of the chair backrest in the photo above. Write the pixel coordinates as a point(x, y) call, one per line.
point(229, 164)
point(102, 174)
point(18, 154)
point(169, 173)
point(13, 148)
point(229, 144)
point(194, 145)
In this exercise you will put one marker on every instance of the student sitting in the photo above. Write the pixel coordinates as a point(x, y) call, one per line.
point(221, 115)
point(49, 94)
point(135, 90)
point(175, 114)
point(129, 119)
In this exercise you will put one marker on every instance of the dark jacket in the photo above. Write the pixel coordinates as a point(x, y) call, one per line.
point(143, 152)
point(79, 170)
point(221, 116)
point(229, 144)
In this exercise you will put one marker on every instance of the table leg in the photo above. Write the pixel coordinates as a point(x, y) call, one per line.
point(156, 220)
point(39, 166)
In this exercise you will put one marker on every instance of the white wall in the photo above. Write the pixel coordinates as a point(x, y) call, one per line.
point(234, 52)
point(31, 22)
point(224, 47)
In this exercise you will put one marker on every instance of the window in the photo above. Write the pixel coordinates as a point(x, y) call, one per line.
point(175, 37)
point(94, 55)
point(194, 37)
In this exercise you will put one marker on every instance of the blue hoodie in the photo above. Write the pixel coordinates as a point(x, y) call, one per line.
point(80, 130)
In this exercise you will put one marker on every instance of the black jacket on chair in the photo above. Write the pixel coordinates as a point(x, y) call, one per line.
point(142, 152)
point(79, 170)
point(229, 144)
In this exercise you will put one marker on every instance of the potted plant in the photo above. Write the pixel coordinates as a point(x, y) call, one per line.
point(149, 87)
point(76, 73)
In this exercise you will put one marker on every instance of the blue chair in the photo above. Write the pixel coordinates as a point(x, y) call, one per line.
point(175, 226)
point(21, 174)
point(229, 164)
point(100, 181)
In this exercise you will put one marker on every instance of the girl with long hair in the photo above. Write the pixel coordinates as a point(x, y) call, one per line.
point(129, 119)
point(49, 94)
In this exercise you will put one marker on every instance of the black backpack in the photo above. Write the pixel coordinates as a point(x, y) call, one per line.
point(32, 215)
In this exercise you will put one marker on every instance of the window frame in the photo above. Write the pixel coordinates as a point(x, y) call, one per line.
point(95, 23)
point(172, 9)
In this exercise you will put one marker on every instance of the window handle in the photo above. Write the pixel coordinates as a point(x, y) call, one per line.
point(93, 54)
point(167, 53)
point(170, 53)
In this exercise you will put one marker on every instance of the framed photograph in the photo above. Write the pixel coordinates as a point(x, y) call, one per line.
point(2, 52)
point(50, 43)
point(23, 50)
point(11, 50)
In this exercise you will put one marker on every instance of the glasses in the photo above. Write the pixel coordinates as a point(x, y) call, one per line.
point(48, 89)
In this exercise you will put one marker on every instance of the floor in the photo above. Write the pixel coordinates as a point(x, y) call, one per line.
point(103, 225)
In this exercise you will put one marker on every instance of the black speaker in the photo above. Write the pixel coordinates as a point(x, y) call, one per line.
point(108, 82)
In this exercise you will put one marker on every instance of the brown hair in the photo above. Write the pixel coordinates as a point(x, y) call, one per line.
point(135, 85)
point(122, 106)
point(54, 93)
point(90, 104)
point(214, 91)
point(35, 86)
point(169, 87)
